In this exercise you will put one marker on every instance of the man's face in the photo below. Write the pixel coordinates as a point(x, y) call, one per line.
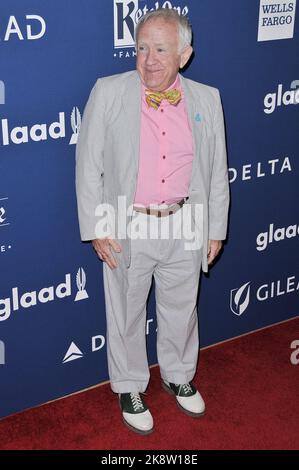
point(158, 60)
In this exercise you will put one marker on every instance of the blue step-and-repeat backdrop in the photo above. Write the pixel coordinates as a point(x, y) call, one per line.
point(52, 313)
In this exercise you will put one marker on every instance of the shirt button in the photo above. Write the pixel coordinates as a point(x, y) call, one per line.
point(164, 156)
point(163, 133)
point(163, 181)
point(162, 110)
point(162, 202)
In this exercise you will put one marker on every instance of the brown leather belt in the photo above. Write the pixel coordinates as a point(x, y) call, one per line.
point(162, 212)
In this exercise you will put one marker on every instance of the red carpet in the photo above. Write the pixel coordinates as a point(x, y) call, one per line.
point(249, 385)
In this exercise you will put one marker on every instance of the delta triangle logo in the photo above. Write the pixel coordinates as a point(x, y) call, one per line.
point(72, 353)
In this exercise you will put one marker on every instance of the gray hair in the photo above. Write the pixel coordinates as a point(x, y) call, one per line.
point(169, 14)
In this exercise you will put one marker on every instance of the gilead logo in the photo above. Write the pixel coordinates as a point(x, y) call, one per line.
point(240, 297)
point(26, 300)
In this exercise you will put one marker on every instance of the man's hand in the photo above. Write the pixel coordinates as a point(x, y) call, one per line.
point(214, 248)
point(104, 248)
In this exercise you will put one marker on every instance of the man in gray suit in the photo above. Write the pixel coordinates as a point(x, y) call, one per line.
point(151, 152)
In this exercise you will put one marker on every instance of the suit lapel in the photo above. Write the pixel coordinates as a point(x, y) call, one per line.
point(195, 115)
point(131, 100)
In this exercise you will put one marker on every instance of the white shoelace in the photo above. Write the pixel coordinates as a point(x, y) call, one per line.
point(186, 388)
point(137, 402)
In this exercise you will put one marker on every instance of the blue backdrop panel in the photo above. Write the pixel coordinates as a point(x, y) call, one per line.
point(52, 310)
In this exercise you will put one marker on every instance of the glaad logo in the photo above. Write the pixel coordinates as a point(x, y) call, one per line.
point(276, 19)
point(2, 353)
point(264, 238)
point(126, 15)
point(295, 354)
point(2, 92)
point(81, 282)
point(37, 132)
point(239, 299)
point(73, 352)
point(44, 295)
point(260, 169)
point(272, 100)
point(75, 123)
point(13, 29)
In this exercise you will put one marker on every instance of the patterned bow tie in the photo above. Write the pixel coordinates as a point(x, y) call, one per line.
point(154, 98)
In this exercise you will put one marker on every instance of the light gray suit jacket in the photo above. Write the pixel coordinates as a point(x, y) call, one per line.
point(107, 153)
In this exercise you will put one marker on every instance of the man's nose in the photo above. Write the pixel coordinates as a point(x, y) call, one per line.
point(150, 57)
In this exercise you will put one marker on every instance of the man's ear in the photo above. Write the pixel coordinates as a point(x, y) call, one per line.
point(185, 56)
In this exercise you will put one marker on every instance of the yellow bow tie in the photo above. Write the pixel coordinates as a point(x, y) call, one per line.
point(154, 98)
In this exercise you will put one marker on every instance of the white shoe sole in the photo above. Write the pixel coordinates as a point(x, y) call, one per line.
point(138, 431)
point(132, 428)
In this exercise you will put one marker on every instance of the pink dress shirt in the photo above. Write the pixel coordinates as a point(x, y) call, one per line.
point(166, 152)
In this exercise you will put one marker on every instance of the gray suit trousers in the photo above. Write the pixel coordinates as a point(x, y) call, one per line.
point(176, 272)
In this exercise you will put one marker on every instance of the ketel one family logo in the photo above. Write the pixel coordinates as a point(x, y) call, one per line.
point(239, 299)
point(44, 295)
point(127, 13)
point(37, 132)
point(3, 214)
